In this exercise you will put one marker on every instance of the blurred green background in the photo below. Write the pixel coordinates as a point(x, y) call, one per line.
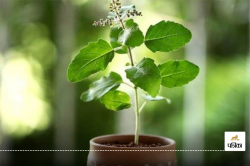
point(40, 110)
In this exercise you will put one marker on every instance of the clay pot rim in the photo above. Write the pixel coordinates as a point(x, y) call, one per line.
point(169, 140)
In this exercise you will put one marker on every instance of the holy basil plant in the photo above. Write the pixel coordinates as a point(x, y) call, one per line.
point(125, 35)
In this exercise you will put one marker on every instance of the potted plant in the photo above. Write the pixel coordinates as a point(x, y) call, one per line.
point(165, 36)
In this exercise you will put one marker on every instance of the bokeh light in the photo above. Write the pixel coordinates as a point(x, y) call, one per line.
point(23, 108)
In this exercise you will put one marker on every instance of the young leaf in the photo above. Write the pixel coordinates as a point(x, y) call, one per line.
point(132, 35)
point(127, 64)
point(157, 98)
point(116, 100)
point(146, 75)
point(91, 59)
point(167, 36)
point(99, 88)
point(114, 33)
point(177, 73)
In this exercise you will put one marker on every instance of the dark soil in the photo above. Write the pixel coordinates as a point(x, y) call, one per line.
point(131, 144)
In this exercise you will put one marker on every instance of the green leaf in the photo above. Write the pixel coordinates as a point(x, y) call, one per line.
point(132, 36)
point(177, 73)
point(167, 36)
point(116, 100)
point(114, 34)
point(99, 88)
point(157, 98)
point(127, 64)
point(91, 59)
point(145, 75)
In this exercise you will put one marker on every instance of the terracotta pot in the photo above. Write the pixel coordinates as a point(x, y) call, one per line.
point(103, 155)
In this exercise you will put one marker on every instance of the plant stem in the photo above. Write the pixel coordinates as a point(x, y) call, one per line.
point(142, 106)
point(130, 56)
point(137, 112)
point(137, 116)
point(128, 85)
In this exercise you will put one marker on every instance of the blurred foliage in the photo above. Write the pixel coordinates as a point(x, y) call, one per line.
point(226, 106)
point(32, 36)
point(227, 25)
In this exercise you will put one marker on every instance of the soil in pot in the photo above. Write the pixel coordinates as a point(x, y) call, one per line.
point(131, 144)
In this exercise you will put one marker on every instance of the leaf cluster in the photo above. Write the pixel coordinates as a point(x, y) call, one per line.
point(164, 36)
